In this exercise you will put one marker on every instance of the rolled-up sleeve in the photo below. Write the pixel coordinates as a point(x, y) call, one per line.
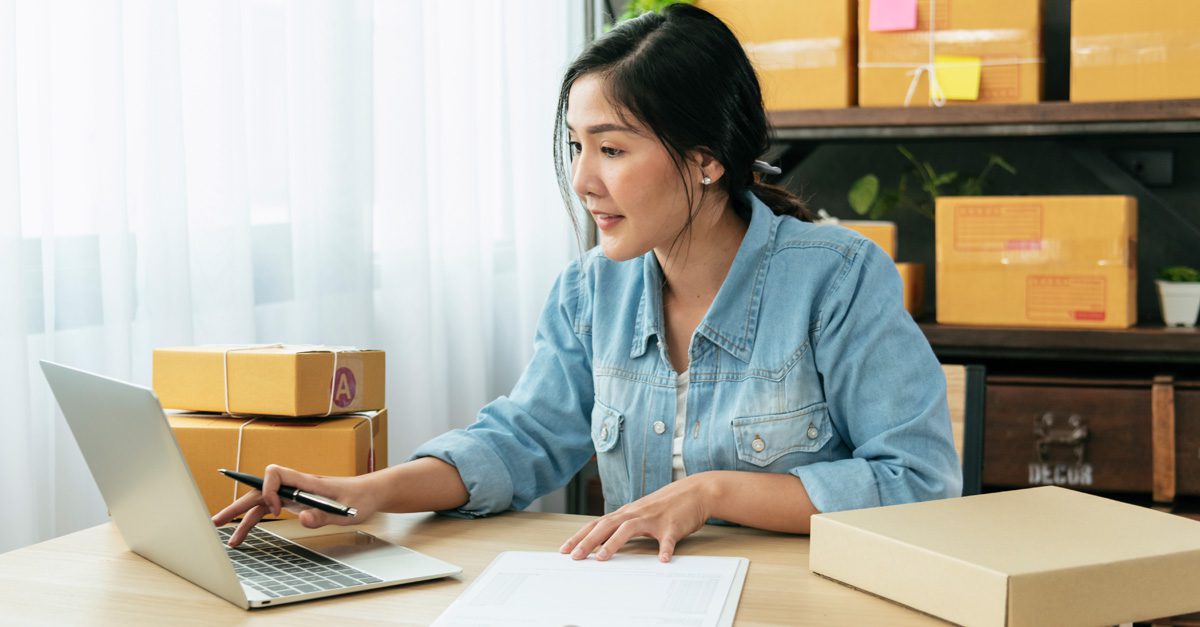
point(534, 440)
point(885, 391)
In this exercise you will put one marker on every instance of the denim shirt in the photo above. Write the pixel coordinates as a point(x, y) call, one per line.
point(806, 363)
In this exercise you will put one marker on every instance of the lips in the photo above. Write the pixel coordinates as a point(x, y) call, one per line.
point(607, 220)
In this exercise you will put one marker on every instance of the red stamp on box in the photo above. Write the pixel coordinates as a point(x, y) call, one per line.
point(344, 387)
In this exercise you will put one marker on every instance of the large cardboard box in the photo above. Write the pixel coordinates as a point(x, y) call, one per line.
point(340, 446)
point(1007, 36)
point(1041, 556)
point(1038, 261)
point(1143, 50)
point(803, 52)
point(278, 380)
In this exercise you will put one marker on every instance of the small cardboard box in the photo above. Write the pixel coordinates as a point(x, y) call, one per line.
point(1135, 50)
point(340, 446)
point(881, 232)
point(277, 380)
point(1007, 36)
point(1041, 556)
point(1037, 261)
point(803, 52)
point(912, 277)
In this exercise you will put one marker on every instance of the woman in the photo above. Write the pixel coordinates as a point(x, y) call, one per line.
point(722, 357)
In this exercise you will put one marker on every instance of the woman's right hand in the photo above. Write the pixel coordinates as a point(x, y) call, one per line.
point(352, 491)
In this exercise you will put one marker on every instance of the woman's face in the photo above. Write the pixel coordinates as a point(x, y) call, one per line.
point(624, 176)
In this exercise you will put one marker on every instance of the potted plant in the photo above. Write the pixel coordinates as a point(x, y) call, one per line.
point(1179, 295)
point(869, 200)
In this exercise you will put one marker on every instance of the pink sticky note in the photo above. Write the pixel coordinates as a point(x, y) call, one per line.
point(892, 15)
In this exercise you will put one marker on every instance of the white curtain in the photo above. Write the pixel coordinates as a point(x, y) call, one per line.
point(172, 172)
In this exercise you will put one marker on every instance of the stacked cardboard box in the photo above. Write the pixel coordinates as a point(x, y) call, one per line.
point(339, 446)
point(1135, 51)
point(1045, 261)
point(999, 42)
point(316, 409)
point(803, 52)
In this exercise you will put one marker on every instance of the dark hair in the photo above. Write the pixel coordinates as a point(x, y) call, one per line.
point(683, 74)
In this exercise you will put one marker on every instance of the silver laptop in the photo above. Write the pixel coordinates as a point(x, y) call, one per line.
point(128, 445)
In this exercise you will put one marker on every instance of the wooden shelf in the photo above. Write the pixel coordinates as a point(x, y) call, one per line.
point(1146, 345)
point(1015, 120)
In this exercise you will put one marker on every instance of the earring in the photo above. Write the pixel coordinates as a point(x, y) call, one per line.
point(706, 181)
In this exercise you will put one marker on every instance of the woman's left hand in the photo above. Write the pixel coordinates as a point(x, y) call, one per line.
point(669, 515)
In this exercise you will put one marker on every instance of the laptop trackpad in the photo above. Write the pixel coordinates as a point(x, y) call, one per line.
point(363, 551)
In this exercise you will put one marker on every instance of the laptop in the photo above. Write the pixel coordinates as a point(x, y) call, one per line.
point(152, 498)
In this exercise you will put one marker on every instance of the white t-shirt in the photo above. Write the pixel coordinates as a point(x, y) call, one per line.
point(681, 387)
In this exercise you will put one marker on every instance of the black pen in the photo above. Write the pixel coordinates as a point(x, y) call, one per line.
point(293, 494)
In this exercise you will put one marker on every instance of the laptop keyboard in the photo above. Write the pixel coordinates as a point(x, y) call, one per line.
point(276, 567)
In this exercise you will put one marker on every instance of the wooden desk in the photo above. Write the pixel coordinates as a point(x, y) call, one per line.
point(91, 577)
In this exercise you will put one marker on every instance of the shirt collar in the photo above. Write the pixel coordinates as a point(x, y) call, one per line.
point(732, 320)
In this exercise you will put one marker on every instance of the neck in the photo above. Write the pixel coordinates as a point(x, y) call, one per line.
point(695, 269)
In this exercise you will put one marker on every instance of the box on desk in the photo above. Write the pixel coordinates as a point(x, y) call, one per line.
point(1135, 51)
point(1042, 261)
point(1040, 556)
point(277, 380)
point(1005, 37)
point(882, 232)
point(803, 52)
point(338, 446)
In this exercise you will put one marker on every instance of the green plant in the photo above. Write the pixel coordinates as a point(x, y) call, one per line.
point(867, 199)
point(1179, 274)
point(638, 7)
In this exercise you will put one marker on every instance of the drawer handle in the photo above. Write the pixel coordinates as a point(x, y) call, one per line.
point(1073, 435)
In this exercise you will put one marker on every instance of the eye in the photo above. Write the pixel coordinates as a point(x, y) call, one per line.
point(575, 148)
point(612, 152)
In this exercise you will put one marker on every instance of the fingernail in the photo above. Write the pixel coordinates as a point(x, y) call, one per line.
point(602, 555)
point(664, 557)
point(578, 552)
point(565, 547)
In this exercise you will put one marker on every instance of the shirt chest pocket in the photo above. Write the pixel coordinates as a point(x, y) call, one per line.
point(762, 440)
point(607, 427)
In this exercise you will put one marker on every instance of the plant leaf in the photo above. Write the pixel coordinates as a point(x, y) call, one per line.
point(1004, 165)
point(945, 179)
point(886, 204)
point(863, 194)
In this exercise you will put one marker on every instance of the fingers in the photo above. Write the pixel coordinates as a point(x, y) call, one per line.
point(627, 530)
point(276, 475)
point(248, 521)
point(569, 545)
point(666, 548)
point(602, 530)
point(243, 504)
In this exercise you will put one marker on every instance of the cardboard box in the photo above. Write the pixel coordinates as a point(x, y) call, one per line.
point(339, 446)
point(1135, 51)
point(280, 380)
point(1039, 261)
point(1007, 36)
point(1041, 556)
point(803, 52)
point(912, 277)
point(878, 231)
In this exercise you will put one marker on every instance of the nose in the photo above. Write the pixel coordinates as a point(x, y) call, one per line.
point(584, 180)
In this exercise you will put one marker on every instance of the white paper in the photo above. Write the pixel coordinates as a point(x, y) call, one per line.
point(539, 588)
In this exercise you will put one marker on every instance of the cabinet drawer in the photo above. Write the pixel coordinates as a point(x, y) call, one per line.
point(1187, 443)
point(1078, 433)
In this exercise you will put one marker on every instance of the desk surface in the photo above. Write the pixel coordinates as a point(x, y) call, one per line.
point(91, 577)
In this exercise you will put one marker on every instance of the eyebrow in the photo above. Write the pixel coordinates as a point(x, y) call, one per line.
point(606, 128)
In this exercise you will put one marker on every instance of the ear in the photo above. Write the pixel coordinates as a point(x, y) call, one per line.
point(707, 165)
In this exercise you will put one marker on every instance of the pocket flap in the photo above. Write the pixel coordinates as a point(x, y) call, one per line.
point(606, 427)
point(761, 440)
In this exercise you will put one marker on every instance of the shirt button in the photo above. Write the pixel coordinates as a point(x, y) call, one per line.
point(660, 427)
point(604, 432)
point(758, 445)
point(813, 432)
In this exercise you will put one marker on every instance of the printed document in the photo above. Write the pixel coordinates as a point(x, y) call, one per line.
point(540, 588)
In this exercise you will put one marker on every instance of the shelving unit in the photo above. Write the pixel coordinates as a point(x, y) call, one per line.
point(1045, 119)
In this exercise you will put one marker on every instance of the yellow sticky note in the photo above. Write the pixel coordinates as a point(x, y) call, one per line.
point(958, 76)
